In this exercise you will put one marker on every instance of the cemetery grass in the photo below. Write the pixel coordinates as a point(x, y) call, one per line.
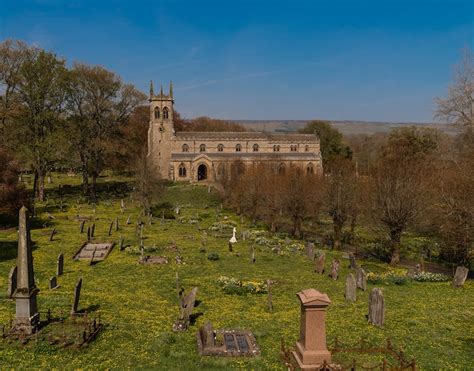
point(430, 321)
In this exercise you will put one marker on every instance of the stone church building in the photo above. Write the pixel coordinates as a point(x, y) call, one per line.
point(207, 156)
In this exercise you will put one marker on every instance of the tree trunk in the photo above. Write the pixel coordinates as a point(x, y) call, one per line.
point(39, 179)
point(35, 185)
point(395, 236)
point(297, 228)
point(273, 227)
point(337, 245)
point(93, 188)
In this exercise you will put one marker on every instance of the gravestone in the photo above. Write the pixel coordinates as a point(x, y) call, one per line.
point(116, 224)
point(351, 288)
point(110, 228)
point(422, 264)
point(53, 283)
point(81, 227)
point(319, 262)
point(186, 306)
point(77, 295)
point(60, 265)
point(88, 234)
point(93, 256)
point(352, 261)
point(53, 232)
point(27, 317)
point(121, 246)
point(376, 307)
point(122, 205)
point(92, 230)
point(11, 282)
point(94, 251)
point(310, 250)
point(128, 220)
point(460, 276)
point(334, 274)
point(361, 278)
point(252, 254)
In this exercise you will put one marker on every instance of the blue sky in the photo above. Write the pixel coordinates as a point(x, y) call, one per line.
point(259, 59)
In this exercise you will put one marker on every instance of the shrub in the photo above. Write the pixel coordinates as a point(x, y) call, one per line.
point(239, 287)
point(213, 256)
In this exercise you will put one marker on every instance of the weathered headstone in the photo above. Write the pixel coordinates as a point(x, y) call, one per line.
point(12, 282)
point(121, 246)
point(422, 263)
point(460, 276)
point(53, 283)
point(92, 230)
point(361, 278)
point(319, 262)
point(110, 228)
point(310, 250)
point(128, 220)
point(81, 227)
point(88, 233)
point(60, 265)
point(207, 335)
point(122, 205)
point(77, 295)
point(27, 317)
point(334, 274)
point(376, 307)
point(186, 307)
point(252, 254)
point(93, 256)
point(352, 261)
point(351, 288)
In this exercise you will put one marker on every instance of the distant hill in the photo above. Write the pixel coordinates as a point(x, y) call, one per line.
point(346, 127)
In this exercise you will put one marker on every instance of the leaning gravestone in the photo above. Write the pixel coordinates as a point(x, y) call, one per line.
point(319, 262)
point(351, 288)
point(77, 295)
point(186, 306)
point(12, 282)
point(53, 283)
point(60, 265)
point(361, 278)
point(334, 274)
point(376, 307)
point(310, 250)
point(92, 230)
point(460, 276)
point(81, 227)
point(352, 261)
point(128, 220)
point(110, 228)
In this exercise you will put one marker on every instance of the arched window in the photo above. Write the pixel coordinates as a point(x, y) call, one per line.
point(182, 170)
point(185, 148)
point(157, 113)
point(202, 148)
point(276, 148)
point(220, 147)
point(293, 148)
point(238, 148)
point(255, 147)
point(165, 113)
point(310, 169)
point(306, 148)
point(281, 169)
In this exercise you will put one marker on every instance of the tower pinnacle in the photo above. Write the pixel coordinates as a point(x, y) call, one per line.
point(151, 89)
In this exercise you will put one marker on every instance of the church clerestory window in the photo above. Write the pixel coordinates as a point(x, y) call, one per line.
point(220, 147)
point(238, 148)
point(293, 148)
point(255, 147)
point(306, 148)
point(165, 113)
point(185, 148)
point(202, 148)
point(157, 113)
point(276, 148)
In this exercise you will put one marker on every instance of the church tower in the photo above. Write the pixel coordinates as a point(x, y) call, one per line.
point(161, 130)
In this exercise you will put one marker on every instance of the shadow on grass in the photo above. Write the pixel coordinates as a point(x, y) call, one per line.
point(90, 308)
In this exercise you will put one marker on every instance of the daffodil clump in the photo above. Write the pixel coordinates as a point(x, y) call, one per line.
point(235, 286)
point(392, 276)
point(431, 277)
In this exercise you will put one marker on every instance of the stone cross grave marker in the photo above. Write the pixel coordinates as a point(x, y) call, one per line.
point(186, 306)
point(376, 307)
point(334, 274)
point(460, 276)
point(319, 262)
point(60, 265)
point(53, 283)
point(11, 282)
point(351, 288)
point(361, 278)
point(77, 295)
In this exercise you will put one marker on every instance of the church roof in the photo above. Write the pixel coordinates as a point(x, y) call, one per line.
point(246, 135)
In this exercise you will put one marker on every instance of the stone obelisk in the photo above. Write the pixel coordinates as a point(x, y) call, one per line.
point(27, 317)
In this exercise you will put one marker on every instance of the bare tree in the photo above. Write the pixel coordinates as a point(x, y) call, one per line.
point(148, 185)
point(457, 107)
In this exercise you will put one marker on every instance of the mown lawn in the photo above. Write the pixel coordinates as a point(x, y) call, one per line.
point(431, 321)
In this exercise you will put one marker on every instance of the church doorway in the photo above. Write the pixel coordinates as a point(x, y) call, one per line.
point(202, 172)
